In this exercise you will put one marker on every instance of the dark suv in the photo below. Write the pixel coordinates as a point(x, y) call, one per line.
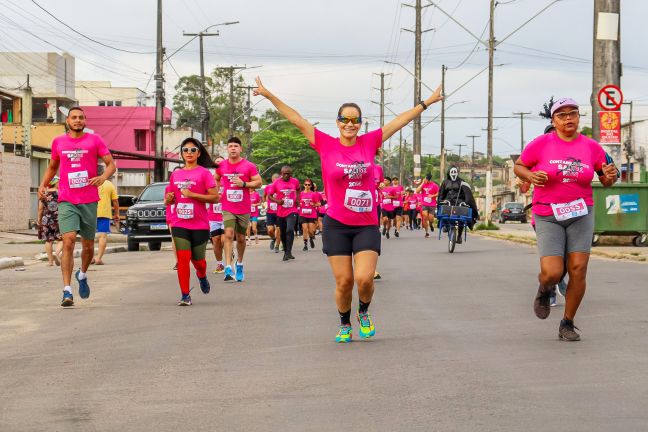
point(146, 219)
point(513, 211)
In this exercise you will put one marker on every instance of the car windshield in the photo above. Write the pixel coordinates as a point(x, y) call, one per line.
point(514, 205)
point(153, 193)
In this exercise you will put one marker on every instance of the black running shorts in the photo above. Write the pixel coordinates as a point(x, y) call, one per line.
point(339, 239)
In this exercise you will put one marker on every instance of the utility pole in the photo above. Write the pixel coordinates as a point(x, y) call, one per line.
point(629, 148)
point(472, 159)
point(442, 152)
point(489, 144)
point(418, 32)
point(230, 73)
point(382, 104)
point(606, 60)
point(204, 109)
point(460, 146)
point(26, 120)
point(521, 114)
point(400, 155)
point(158, 170)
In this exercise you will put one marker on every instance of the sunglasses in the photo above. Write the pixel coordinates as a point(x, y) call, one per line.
point(347, 119)
point(307, 184)
point(190, 150)
point(566, 115)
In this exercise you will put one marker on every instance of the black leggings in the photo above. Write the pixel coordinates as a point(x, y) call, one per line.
point(287, 229)
point(191, 240)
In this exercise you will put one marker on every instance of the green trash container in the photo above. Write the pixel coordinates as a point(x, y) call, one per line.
point(621, 209)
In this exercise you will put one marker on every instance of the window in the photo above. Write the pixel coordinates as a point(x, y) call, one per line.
point(117, 103)
point(102, 103)
point(109, 103)
point(140, 139)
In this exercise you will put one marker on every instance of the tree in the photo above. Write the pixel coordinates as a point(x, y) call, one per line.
point(279, 143)
point(187, 103)
point(586, 130)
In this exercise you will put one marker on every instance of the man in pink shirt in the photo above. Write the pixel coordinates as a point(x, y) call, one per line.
point(236, 176)
point(76, 154)
point(271, 215)
point(287, 197)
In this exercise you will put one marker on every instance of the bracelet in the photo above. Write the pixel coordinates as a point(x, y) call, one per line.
point(423, 105)
point(244, 184)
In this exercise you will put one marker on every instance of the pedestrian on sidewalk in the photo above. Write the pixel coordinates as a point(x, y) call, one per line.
point(77, 154)
point(107, 210)
point(48, 227)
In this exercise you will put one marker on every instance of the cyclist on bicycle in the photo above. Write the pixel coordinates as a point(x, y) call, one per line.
point(456, 191)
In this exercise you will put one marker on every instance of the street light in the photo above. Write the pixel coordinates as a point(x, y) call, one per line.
point(408, 71)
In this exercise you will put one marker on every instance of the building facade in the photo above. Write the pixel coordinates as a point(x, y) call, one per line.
point(102, 93)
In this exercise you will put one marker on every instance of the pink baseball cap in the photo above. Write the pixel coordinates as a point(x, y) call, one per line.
point(564, 102)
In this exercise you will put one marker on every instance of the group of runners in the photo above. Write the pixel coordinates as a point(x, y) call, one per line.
point(218, 201)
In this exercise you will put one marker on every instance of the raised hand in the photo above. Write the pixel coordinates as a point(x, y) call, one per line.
point(435, 97)
point(260, 90)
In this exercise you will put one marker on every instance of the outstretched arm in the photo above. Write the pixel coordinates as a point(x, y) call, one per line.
point(404, 118)
point(290, 114)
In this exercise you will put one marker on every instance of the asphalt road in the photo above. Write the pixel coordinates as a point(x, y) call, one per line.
point(457, 348)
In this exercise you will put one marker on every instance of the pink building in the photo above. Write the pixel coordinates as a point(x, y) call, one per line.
point(129, 129)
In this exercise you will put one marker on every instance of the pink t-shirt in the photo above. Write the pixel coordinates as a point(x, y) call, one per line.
point(170, 209)
point(255, 199)
point(286, 191)
point(191, 213)
point(411, 202)
point(570, 167)
point(429, 188)
point(398, 192)
point(236, 199)
point(215, 211)
point(379, 178)
point(78, 159)
point(419, 201)
point(324, 204)
point(348, 173)
point(387, 201)
point(307, 202)
point(270, 191)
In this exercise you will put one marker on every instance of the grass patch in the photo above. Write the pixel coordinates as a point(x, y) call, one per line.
point(490, 226)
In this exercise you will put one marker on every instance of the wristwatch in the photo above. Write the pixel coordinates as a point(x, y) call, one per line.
point(423, 105)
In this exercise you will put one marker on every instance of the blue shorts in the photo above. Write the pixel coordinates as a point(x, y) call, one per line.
point(103, 225)
point(254, 218)
point(271, 219)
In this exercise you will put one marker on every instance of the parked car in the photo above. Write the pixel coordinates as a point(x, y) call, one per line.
point(146, 219)
point(513, 211)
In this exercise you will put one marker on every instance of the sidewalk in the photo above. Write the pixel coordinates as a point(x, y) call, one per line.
point(615, 247)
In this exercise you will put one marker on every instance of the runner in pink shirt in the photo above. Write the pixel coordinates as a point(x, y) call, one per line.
point(236, 176)
point(321, 211)
point(429, 191)
point(561, 165)
point(216, 227)
point(309, 202)
point(286, 196)
point(76, 155)
point(190, 189)
point(398, 193)
point(351, 236)
point(387, 206)
point(255, 204)
point(271, 215)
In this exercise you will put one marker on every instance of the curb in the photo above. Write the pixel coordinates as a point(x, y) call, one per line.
point(532, 242)
point(6, 263)
point(109, 250)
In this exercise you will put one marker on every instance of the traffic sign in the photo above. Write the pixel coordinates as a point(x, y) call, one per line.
point(610, 98)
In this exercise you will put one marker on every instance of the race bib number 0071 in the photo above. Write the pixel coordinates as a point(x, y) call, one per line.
point(569, 210)
point(358, 201)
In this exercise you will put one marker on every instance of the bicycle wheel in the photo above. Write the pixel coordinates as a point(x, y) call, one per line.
point(452, 238)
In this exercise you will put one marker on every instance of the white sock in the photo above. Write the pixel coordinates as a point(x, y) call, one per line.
point(82, 275)
point(239, 262)
point(68, 289)
point(219, 262)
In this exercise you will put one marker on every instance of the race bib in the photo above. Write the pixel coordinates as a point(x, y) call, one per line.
point(397, 203)
point(570, 210)
point(307, 211)
point(428, 200)
point(358, 201)
point(235, 195)
point(387, 201)
point(78, 179)
point(185, 210)
point(217, 208)
point(273, 206)
point(253, 209)
point(288, 202)
point(412, 206)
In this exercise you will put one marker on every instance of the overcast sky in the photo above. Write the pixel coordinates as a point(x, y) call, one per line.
point(318, 54)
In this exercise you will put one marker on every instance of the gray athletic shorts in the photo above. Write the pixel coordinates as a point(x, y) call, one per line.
point(560, 238)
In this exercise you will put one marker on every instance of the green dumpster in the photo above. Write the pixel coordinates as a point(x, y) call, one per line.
point(621, 209)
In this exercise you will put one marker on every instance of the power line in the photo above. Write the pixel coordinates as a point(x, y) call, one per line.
point(88, 37)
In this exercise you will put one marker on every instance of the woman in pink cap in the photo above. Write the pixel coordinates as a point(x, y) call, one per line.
point(351, 238)
point(561, 165)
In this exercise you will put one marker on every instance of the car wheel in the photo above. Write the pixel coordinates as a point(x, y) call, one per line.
point(155, 246)
point(133, 246)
